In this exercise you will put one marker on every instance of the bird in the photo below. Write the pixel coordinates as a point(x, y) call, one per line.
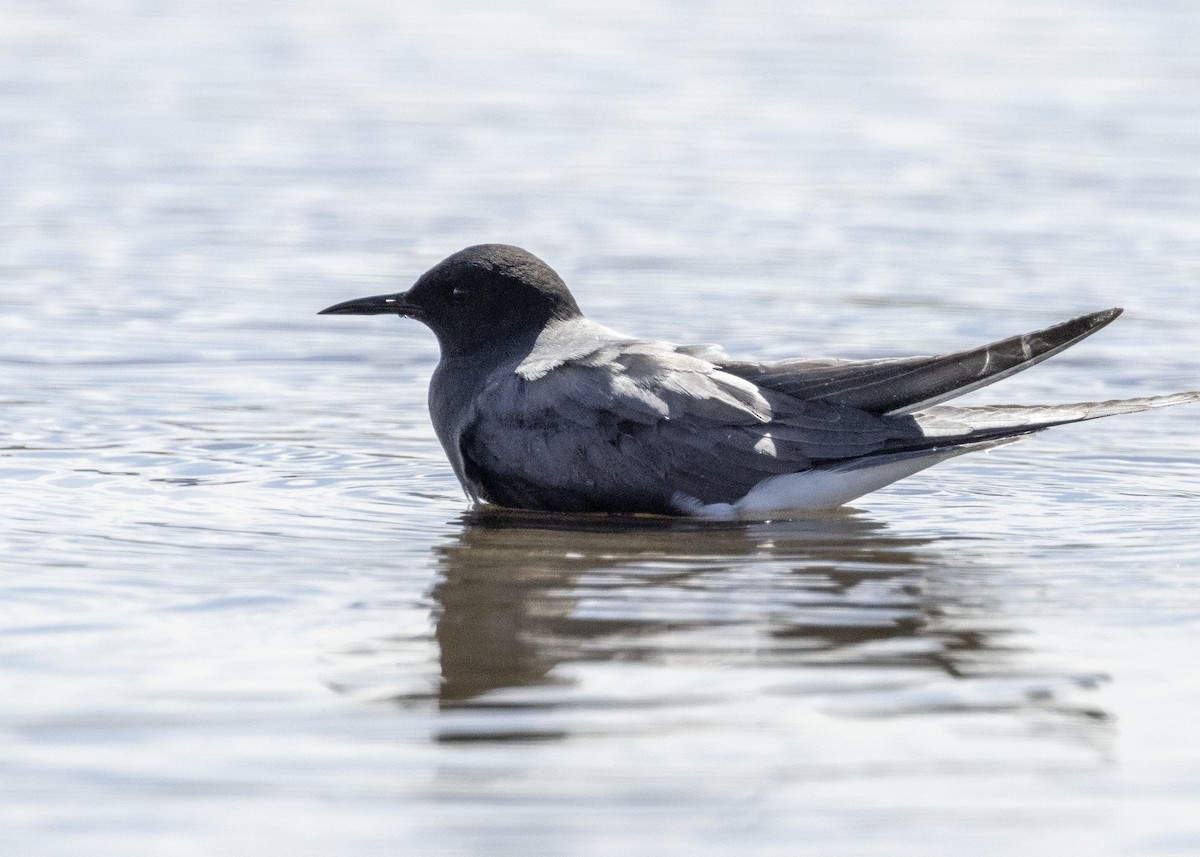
point(540, 408)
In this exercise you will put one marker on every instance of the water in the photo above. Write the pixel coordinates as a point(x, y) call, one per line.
point(244, 607)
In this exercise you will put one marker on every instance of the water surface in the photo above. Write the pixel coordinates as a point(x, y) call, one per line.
point(245, 608)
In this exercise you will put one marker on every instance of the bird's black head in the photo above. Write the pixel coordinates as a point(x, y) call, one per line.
point(481, 297)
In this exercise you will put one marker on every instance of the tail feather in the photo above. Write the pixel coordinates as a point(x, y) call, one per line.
point(947, 432)
point(948, 423)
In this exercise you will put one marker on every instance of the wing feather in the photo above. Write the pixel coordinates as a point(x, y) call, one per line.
point(908, 384)
point(633, 423)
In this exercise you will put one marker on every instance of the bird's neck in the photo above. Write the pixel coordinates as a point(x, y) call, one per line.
point(461, 375)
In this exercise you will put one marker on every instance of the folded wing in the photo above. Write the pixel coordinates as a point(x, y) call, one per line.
point(629, 424)
point(908, 384)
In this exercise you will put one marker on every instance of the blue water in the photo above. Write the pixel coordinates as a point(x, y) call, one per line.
point(244, 608)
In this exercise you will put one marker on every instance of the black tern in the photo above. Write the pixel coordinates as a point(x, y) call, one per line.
point(537, 407)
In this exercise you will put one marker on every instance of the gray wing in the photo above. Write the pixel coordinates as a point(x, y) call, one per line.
point(627, 425)
point(908, 384)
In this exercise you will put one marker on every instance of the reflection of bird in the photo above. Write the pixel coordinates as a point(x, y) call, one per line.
point(537, 407)
point(521, 594)
point(862, 618)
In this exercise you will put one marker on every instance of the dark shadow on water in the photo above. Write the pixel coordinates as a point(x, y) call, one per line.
point(522, 594)
point(833, 607)
point(512, 584)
